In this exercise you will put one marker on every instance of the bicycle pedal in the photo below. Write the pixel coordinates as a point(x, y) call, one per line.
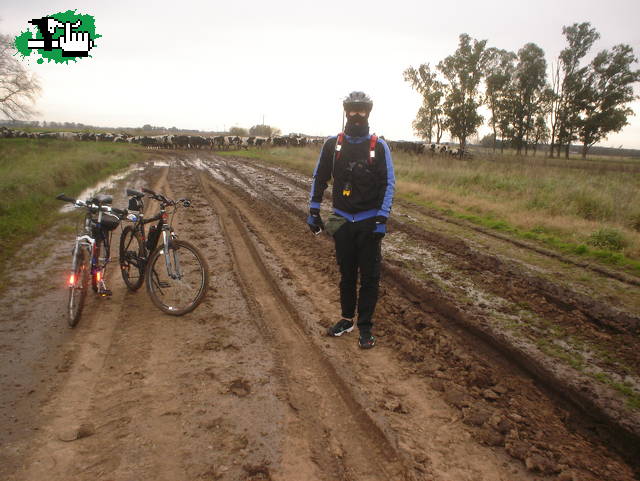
point(163, 284)
point(105, 293)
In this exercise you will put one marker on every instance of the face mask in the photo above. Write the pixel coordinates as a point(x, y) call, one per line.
point(357, 125)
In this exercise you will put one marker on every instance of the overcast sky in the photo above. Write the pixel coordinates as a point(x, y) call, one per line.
point(211, 65)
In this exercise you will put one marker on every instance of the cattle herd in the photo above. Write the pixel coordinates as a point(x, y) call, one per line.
point(220, 142)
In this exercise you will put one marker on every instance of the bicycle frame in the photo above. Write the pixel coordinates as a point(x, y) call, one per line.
point(159, 257)
point(87, 239)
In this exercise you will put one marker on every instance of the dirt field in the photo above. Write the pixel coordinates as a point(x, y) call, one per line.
point(494, 361)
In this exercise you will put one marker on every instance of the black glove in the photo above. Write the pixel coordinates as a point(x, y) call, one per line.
point(380, 228)
point(315, 221)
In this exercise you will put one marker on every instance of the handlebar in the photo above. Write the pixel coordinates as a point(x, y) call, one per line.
point(159, 197)
point(104, 208)
point(65, 198)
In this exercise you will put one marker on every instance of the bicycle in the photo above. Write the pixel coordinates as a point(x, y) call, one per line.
point(177, 285)
point(99, 222)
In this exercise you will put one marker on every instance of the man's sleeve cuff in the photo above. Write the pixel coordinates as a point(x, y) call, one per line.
point(314, 205)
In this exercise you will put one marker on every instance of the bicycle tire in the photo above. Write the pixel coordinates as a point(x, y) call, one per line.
point(132, 266)
point(177, 296)
point(78, 291)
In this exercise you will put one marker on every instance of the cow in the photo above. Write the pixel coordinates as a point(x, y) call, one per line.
point(261, 141)
point(219, 143)
point(234, 141)
point(196, 141)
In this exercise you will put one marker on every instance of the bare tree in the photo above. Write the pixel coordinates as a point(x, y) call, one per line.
point(19, 88)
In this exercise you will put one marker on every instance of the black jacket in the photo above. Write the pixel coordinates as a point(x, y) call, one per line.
point(372, 184)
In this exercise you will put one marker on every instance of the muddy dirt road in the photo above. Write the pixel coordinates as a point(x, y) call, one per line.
point(248, 387)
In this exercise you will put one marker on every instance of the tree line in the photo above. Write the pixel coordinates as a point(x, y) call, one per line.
point(581, 101)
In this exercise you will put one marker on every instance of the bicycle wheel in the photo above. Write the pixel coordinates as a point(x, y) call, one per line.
point(78, 285)
point(131, 258)
point(180, 291)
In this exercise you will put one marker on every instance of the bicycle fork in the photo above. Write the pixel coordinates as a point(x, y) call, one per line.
point(97, 272)
point(81, 243)
point(173, 268)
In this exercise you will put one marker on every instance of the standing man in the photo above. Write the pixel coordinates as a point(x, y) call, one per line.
point(363, 187)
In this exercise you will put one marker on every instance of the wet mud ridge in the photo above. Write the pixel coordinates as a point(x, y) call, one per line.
point(249, 387)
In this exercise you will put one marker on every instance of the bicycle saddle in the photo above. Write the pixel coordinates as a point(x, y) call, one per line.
point(102, 199)
point(135, 193)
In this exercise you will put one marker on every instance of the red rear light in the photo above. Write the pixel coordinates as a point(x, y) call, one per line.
point(98, 276)
point(165, 216)
point(72, 279)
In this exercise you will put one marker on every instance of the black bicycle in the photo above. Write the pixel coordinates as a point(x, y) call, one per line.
point(176, 273)
point(91, 251)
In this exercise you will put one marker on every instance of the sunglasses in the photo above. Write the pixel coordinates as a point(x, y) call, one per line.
point(361, 113)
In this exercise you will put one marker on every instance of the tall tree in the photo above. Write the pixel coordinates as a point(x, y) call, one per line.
point(609, 91)
point(571, 83)
point(18, 88)
point(463, 71)
point(499, 69)
point(429, 116)
point(262, 130)
point(529, 86)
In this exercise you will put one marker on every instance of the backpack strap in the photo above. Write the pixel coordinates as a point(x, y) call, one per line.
point(372, 148)
point(339, 142)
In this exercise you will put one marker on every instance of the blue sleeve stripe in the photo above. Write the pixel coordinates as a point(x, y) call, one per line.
point(314, 205)
point(385, 209)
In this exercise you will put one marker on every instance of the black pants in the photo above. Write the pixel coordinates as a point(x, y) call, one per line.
point(358, 252)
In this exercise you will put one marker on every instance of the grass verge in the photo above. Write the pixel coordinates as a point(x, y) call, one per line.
point(34, 171)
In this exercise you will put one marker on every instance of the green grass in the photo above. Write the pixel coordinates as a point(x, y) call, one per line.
point(632, 397)
point(33, 172)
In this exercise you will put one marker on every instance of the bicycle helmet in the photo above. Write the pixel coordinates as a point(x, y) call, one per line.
point(356, 101)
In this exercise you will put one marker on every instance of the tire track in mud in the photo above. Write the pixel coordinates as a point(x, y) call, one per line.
point(445, 308)
point(624, 278)
point(324, 410)
point(431, 438)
